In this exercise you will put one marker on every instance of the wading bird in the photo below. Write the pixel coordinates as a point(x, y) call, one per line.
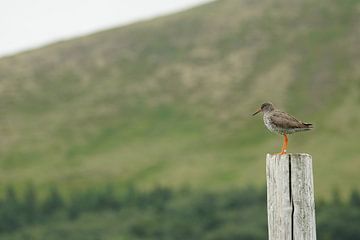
point(281, 122)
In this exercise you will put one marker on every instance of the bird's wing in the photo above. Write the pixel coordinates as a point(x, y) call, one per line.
point(285, 120)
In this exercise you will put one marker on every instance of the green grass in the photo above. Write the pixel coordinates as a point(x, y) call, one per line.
point(168, 101)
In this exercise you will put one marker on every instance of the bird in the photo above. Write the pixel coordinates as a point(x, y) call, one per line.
point(282, 123)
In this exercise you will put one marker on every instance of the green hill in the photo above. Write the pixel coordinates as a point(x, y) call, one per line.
point(169, 101)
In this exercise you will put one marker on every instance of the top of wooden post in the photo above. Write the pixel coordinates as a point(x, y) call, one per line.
point(297, 155)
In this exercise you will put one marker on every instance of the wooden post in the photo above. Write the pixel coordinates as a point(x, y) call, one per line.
point(290, 197)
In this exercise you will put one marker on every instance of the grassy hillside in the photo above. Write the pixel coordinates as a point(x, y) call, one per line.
point(168, 101)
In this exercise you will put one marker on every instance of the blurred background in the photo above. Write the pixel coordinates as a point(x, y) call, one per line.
point(132, 119)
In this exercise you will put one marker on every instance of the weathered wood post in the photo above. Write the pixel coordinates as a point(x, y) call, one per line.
point(290, 197)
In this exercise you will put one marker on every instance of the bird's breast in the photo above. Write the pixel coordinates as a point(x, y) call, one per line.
point(269, 124)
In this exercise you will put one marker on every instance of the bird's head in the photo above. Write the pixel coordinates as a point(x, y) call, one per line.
point(265, 107)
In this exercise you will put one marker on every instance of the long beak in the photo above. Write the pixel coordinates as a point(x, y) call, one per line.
point(256, 112)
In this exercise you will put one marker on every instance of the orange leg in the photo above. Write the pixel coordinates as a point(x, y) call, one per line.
point(285, 144)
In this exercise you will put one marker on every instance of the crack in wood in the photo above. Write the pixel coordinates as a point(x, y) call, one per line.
point(291, 201)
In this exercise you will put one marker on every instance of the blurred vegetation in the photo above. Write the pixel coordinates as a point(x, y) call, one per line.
point(161, 213)
point(168, 101)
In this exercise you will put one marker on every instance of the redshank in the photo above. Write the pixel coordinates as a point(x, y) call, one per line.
point(281, 122)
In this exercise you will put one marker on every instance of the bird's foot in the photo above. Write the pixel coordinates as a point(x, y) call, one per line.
point(282, 152)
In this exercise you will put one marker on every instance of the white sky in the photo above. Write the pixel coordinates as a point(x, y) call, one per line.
point(26, 24)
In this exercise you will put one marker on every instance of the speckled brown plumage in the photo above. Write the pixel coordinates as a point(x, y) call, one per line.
point(281, 122)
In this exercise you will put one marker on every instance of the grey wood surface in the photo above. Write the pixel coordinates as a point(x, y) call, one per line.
point(290, 197)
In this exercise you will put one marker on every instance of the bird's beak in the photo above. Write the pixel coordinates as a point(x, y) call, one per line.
point(256, 112)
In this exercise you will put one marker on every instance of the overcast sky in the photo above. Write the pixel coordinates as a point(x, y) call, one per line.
point(26, 24)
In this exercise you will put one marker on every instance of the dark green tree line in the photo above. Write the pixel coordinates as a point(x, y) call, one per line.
point(162, 213)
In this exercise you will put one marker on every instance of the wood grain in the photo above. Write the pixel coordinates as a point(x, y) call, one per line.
point(290, 197)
